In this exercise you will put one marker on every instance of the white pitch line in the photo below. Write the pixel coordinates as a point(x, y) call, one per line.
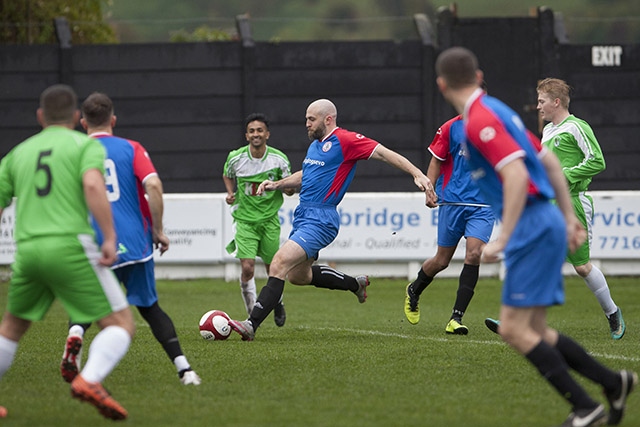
point(455, 341)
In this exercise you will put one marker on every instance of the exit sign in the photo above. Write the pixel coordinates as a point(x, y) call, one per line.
point(606, 56)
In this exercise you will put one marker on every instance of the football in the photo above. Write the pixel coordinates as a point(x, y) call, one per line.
point(214, 325)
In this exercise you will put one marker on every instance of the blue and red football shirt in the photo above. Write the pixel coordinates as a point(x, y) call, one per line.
point(497, 136)
point(454, 185)
point(127, 165)
point(330, 164)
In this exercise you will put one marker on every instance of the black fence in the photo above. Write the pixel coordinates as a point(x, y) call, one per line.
point(186, 102)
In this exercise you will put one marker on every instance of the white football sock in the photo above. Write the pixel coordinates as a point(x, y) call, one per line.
point(76, 330)
point(8, 350)
point(249, 286)
point(596, 281)
point(181, 363)
point(107, 349)
point(249, 293)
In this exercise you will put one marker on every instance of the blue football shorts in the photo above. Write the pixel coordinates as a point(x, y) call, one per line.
point(140, 282)
point(534, 257)
point(457, 221)
point(315, 226)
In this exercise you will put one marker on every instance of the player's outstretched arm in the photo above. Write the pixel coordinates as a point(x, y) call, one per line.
point(433, 172)
point(293, 181)
point(400, 162)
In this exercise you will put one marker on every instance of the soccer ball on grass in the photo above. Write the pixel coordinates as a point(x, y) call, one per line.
point(214, 325)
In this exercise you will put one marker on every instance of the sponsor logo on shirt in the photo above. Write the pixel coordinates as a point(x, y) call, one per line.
point(309, 161)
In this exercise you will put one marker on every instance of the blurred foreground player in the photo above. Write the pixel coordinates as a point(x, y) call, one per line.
point(57, 177)
point(519, 178)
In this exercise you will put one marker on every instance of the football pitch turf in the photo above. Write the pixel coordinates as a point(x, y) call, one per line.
point(334, 363)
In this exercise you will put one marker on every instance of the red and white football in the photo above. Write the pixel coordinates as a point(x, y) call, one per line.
point(214, 325)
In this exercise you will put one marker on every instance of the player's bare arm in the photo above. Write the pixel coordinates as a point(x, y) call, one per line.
point(292, 182)
point(576, 234)
point(400, 162)
point(95, 193)
point(433, 172)
point(153, 188)
point(230, 185)
point(515, 180)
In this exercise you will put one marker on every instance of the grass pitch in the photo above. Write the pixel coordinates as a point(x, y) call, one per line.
point(334, 363)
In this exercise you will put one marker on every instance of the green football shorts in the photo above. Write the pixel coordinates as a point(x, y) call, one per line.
point(66, 268)
point(256, 239)
point(583, 207)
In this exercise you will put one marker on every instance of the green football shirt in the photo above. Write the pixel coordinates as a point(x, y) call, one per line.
point(577, 148)
point(249, 173)
point(44, 173)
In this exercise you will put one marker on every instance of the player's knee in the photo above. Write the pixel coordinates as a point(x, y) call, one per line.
point(248, 270)
point(473, 258)
point(122, 318)
point(509, 333)
point(128, 322)
point(473, 254)
point(13, 327)
point(435, 265)
point(300, 280)
point(583, 270)
point(146, 312)
point(154, 314)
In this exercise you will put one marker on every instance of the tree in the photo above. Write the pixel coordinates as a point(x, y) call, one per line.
point(587, 21)
point(203, 33)
point(31, 21)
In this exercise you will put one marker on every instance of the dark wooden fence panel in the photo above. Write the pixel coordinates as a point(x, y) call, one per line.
point(186, 102)
point(154, 57)
point(377, 88)
point(608, 98)
point(24, 73)
point(508, 51)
